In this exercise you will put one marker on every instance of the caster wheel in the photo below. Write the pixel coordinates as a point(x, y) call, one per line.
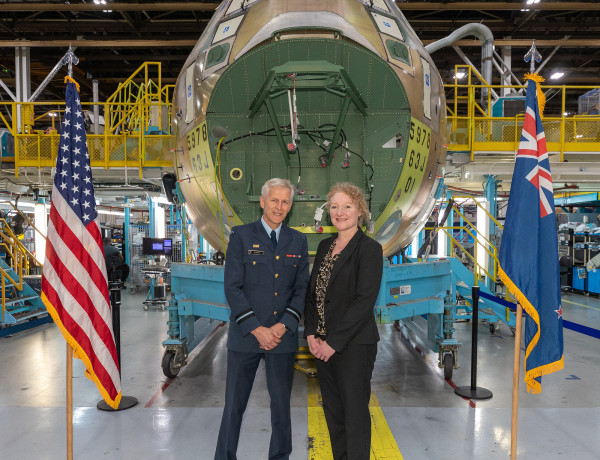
point(145, 307)
point(168, 364)
point(448, 365)
point(493, 328)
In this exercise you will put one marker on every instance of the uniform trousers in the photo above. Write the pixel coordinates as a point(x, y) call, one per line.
point(345, 382)
point(241, 370)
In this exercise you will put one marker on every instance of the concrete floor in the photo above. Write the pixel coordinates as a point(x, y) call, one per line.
point(179, 418)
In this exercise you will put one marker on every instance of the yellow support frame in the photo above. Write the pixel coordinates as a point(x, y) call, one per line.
point(564, 134)
point(19, 257)
point(127, 140)
point(486, 244)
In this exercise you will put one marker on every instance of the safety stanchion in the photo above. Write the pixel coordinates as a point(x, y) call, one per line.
point(473, 391)
point(115, 303)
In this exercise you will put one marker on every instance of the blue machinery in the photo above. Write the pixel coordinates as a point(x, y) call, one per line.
point(420, 296)
point(23, 307)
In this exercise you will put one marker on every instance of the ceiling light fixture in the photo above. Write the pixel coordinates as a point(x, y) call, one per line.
point(112, 213)
point(556, 75)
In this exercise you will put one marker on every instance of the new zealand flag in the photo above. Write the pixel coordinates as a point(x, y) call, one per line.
point(529, 249)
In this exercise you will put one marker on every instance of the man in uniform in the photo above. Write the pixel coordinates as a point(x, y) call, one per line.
point(266, 274)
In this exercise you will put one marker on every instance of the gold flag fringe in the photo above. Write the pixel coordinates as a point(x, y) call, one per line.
point(69, 79)
point(533, 386)
point(538, 79)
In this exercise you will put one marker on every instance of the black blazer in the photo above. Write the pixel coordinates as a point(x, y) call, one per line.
point(351, 293)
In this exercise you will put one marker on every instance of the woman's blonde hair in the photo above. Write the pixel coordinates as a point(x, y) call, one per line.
point(356, 195)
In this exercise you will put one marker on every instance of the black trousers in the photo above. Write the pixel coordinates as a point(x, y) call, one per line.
point(345, 382)
point(120, 271)
point(241, 370)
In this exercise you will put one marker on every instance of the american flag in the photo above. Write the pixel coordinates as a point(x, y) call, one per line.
point(74, 285)
point(529, 248)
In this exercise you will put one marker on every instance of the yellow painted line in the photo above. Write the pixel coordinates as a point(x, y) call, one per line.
point(383, 444)
point(581, 305)
point(319, 447)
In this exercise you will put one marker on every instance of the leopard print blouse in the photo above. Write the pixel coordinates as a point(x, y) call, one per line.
point(321, 287)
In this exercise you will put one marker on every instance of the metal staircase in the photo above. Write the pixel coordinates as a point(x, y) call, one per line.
point(22, 307)
point(465, 278)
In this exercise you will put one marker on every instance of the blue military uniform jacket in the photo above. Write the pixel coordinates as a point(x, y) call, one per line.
point(264, 285)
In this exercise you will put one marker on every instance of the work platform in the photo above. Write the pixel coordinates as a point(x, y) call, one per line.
point(137, 128)
point(408, 292)
point(131, 129)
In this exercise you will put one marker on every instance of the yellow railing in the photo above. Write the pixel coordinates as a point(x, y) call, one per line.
point(472, 128)
point(138, 120)
point(17, 257)
point(133, 103)
point(480, 242)
point(478, 204)
point(31, 256)
point(136, 134)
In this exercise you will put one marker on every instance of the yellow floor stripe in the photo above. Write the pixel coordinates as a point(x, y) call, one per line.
point(581, 305)
point(319, 447)
point(383, 444)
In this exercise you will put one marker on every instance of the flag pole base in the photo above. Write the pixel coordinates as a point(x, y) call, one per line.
point(473, 393)
point(127, 402)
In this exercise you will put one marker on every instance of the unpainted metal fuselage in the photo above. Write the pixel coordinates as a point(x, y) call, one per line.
point(318, 92)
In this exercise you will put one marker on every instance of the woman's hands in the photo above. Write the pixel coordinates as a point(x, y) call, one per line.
point(319, 348)
point(313, 344)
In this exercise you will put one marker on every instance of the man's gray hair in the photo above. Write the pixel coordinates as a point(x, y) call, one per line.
point(276, 182)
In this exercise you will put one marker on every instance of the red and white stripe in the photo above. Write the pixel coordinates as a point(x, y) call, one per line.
point(542, 179)
point(76, 287)
point(532, 146)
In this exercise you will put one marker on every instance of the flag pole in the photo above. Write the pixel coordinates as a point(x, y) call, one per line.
point(515, 391)
point(69, 402)
point(70, 58)
point(532, 57)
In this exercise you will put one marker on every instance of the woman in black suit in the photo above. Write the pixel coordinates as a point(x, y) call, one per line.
point(339, 322)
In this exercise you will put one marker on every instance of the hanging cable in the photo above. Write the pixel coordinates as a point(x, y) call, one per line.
point(298, 191)
point(218, 181)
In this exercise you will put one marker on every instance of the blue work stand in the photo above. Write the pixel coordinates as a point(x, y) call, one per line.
point(418, 297)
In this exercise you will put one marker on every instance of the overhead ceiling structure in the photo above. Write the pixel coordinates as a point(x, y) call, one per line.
point(112, 39)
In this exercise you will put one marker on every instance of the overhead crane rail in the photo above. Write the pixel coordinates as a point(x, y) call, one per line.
point(138, 117)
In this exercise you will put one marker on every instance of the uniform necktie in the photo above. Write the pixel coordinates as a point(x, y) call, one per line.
point(274, 238)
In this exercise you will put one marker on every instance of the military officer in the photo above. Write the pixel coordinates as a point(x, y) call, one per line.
point(266, 275)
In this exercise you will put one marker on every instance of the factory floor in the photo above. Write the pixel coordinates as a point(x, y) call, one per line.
point(415, 411)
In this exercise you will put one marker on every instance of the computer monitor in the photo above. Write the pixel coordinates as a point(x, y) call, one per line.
point(157, 246)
